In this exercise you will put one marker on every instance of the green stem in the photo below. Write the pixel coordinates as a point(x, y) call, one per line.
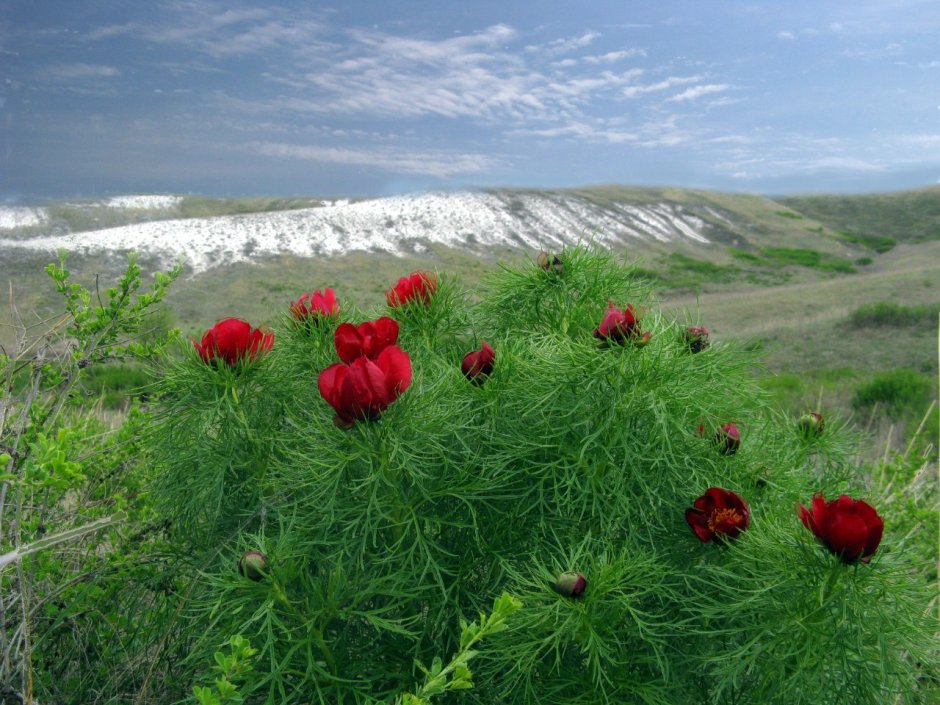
point(827, 587)
point(316, 631)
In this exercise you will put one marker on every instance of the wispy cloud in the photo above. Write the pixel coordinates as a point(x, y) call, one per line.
point(433, 163)
point(79, 71)
point(696, 92)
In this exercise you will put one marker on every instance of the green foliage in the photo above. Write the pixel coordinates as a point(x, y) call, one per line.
point(744, 255)
point(789, 214)
point(878, 243)
point(572, 456)
point(231, 666)
point(900, 391)
point(805, 257)
point(890, 314)
point(456, 675)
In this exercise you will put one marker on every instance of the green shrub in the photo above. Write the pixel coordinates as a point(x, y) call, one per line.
point(890, 314)
point(805, 257)
point(878, 243)
point(574, 454)
point(899, 392)
point(864, 261)
point(745, 255)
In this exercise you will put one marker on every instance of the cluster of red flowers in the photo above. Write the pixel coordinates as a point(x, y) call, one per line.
point(374, 372)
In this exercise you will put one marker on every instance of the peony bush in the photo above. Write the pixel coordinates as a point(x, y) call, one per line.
point(345, 497)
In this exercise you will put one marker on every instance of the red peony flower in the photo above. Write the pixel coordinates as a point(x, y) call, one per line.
point(728, 438)
point(232, 340)
point(718, 514)
point(850, 528)
point(367, 339)
point(811, 424)
point(478, 364)
point(696, 337)
point(570, 584)
point(315, 306)
point(419, 286)
point(618, 326)
point(365, 388)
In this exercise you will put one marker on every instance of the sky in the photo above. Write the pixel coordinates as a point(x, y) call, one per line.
point(229, 98)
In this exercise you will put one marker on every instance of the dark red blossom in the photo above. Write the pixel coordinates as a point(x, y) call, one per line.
point(367, 339)
point(618, 326)
point(365, 388)
point(718, 514)
point(550, 263)
point(570, 584)
point(232, 340)
point(850, 528)
point(418, 286)
point(478, 364)
point(315, 306)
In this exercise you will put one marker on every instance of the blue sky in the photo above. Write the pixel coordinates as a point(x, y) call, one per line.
point(373, 98)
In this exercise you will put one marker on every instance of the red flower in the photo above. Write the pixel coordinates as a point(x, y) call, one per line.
point(618, 326)
point(478, 364)
point(367, 339)
point(718, 514)
point(365, 388)
point(315, 306)
point(848, 527)
point(419, 286)
point(696, 337)
point(232, 340)
point(728, 438)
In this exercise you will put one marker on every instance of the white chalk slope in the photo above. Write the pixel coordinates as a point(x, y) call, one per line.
point(395, 225)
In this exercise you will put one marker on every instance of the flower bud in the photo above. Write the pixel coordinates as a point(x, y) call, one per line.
point(253, 565)
point(570, 584)
point(550, 263)
point(5, 459)
point(696, 337)
point(728, 438)
point(811, 424)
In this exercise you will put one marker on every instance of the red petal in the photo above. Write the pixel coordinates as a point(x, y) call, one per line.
point(348, 342)
point(699, 523)
point(329, 382)
point(396, 366)
point(805, 517)
point(386, 331)
point(846, 536)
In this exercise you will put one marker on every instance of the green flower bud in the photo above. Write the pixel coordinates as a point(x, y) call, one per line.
point(253, 565)
point(570, 584)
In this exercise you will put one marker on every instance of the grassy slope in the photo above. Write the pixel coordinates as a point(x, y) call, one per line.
point(912, 216)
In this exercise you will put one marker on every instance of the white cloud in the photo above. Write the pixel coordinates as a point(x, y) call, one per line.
point(78, 72)
point(435, 163)
point(634, 91)
point(696, 92)
point(786, 35)
point(613, 56)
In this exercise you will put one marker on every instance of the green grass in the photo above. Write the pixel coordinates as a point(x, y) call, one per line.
point(900, 392)
point(890, 314)
point(878, 243)
point(805, 257)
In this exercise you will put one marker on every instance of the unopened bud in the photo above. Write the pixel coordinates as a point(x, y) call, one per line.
point(728, 438)
point(811, 424)
point(253, 565)
point(570, 584)
point(550, 263)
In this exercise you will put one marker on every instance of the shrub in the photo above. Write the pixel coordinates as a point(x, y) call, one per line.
point(899, 392)
point(890, 314)
point(422, 504)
